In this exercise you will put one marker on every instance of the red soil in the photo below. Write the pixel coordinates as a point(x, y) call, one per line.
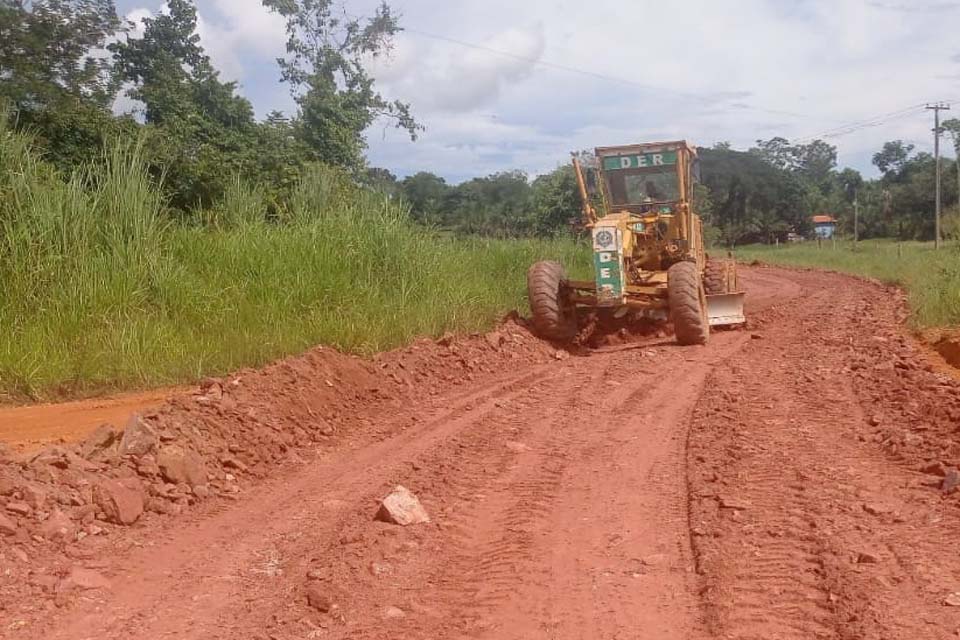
point(768, 485)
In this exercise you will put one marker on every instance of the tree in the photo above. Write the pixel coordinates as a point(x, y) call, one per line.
point(48, 53)
point(892, 158)
point(208, 131)
point(776, 151)
point(556, 202)
point(816, 162)
point(325, 68)
point(426, 193)
point(54, 77)
point(751, 199)
point(952, 129)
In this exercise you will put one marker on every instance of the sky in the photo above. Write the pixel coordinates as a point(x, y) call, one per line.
point(503, 85)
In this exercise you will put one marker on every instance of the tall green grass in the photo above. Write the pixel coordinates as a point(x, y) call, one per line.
point(931, 278)
point(101, 291)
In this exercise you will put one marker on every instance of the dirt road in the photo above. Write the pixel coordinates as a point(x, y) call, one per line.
point(765, 486)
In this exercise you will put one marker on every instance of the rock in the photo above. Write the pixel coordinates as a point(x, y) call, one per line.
point(867, 557)
point(875, 420)
point(934, 469)
point(7, 486)
point(494, 339)
point(181, 466)
point(102, 438)
point(516, 447)
point(952, 600)
point(446, 339)
point(120, 504)
point(84, 579)
point(876, 509)
point(654, 560)
point(230, 462)
point(58, 526)
point(34, 497)
point(756, 336)
point(402, 507)
point(393, 613)
point(19, 508)
point(53, 456)
point(726, 502)
point(561, 355)
point(138, 439)
point(7, 526)
point(318, 599)
point(950, 481)
point(147, 466)
point(315, 574)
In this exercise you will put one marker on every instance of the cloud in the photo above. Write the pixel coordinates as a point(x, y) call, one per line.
point(503, 85)
point(232, 32)
point(447, 75)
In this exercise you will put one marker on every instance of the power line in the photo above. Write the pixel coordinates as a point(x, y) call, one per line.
point(857, 125)
point(600, 76)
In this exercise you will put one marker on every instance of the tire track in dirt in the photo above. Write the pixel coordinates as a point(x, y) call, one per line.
point(803, 526)
point(558, 502)
point(216, 563)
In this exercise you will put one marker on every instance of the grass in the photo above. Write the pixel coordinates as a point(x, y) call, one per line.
point(102, 291)
point(931, 278)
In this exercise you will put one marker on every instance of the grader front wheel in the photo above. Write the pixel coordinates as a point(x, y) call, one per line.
point(553, 317)
point(688, 304)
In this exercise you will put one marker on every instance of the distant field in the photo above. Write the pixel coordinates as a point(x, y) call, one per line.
point(101, 290)
point(931, 278)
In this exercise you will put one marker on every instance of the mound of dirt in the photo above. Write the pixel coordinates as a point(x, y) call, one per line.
point(207, 444)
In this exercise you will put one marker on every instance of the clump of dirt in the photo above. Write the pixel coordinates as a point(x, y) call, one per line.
point(206, 444)
point(948, 346)
point(605, 329)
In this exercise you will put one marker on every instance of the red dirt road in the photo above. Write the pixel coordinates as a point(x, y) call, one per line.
point(764, 486)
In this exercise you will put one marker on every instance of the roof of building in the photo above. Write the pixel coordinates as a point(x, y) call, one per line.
point(824, 219)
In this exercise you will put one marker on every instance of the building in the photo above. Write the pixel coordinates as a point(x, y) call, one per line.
point(824, 225)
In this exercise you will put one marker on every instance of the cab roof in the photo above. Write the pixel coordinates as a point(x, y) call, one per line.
point(646, 147)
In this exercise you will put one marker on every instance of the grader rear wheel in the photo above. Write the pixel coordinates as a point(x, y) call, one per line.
point(720, 276)
point(553, 317)
point(688, 304)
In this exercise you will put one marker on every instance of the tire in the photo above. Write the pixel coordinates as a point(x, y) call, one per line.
point(715, 278)
point(688, 304)
point(553, 318)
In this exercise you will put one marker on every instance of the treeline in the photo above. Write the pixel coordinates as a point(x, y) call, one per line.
point(763, 194)
point(65, 63)
point(504, 205)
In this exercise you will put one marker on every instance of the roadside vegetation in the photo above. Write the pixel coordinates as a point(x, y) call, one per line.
point(104, 289)
point(931, 278)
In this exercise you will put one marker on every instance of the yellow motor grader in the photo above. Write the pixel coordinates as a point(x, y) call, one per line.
point(648, 254)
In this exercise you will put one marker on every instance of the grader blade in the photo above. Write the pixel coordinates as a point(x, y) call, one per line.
point(725, 309)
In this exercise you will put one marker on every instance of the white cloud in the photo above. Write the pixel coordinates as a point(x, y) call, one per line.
point(699, 69)
point(231, 32)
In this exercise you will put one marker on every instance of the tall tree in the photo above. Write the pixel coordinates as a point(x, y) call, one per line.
point(892, 158)
point(325, 68)
point(54, 76)
point(49, 53)
point(208, 131)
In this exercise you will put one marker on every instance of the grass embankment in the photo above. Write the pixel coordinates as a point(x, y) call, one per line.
point(931, 278)
point(102, 289)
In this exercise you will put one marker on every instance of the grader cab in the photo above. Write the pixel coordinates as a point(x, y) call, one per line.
point(648, 253)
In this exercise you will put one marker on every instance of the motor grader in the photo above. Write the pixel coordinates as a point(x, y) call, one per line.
point(648, 253)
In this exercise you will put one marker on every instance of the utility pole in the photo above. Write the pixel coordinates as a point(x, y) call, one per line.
point(937, 108)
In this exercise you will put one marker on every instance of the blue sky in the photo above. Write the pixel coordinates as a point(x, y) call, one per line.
point(503, 85)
